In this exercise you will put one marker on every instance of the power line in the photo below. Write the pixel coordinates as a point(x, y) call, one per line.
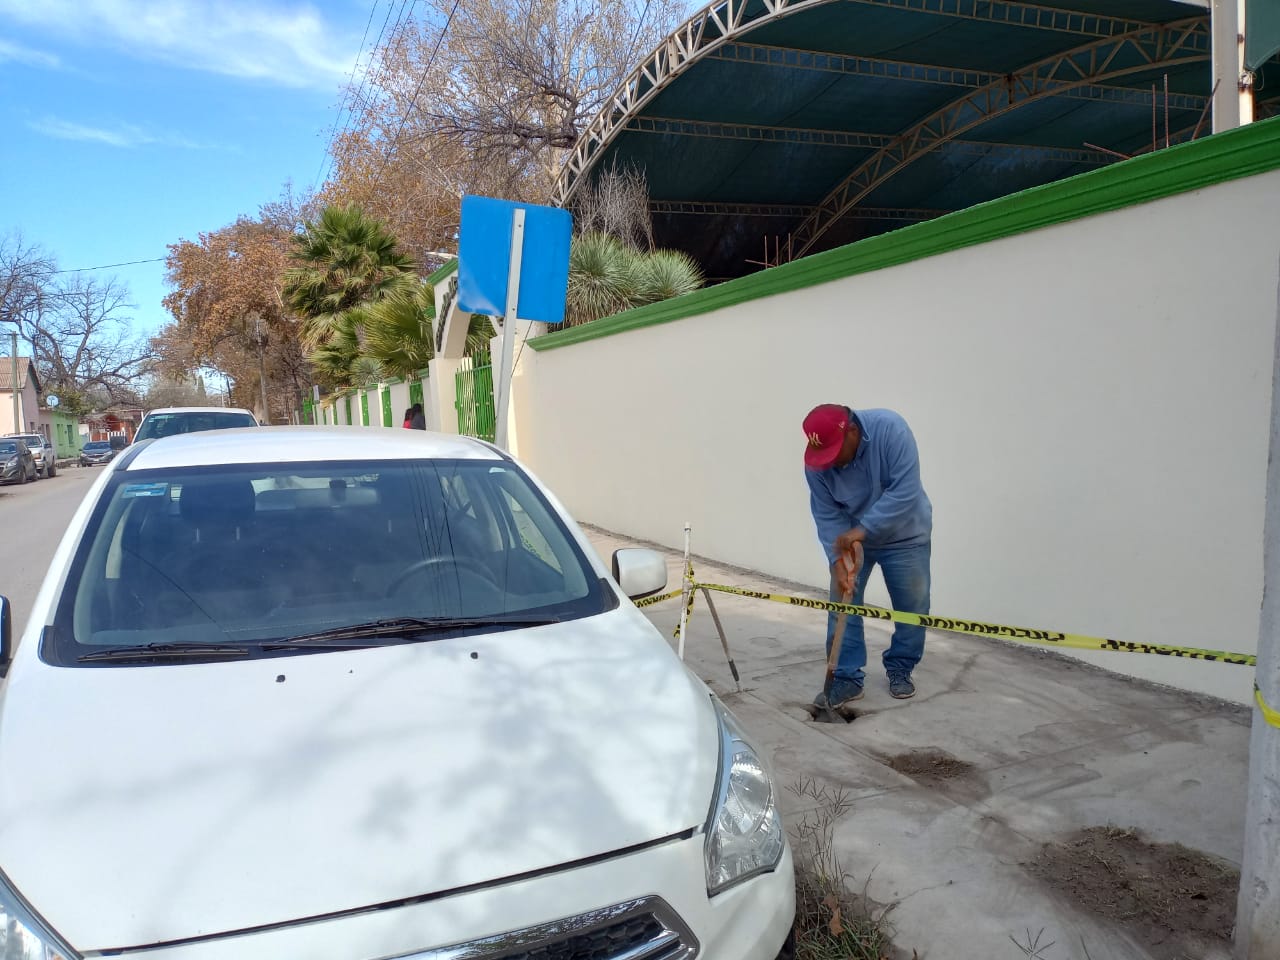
point(368, 69)
point(108, 266)
point(413, 101)
point(346, 94)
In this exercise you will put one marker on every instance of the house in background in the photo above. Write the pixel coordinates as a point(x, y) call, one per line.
point(28, 397)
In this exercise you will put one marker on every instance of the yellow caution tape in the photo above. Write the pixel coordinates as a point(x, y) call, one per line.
point(1269, 714)
point(1051, 638)
point(650, 601)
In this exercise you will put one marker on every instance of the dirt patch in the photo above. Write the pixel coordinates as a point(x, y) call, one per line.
point(930, 765)
point(1172, 898)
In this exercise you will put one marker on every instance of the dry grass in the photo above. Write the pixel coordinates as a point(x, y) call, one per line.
point(831, 922)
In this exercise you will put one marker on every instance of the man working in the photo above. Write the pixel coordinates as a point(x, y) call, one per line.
point(863, 472)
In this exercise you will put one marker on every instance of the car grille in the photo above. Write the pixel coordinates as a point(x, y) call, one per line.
point(645, 929)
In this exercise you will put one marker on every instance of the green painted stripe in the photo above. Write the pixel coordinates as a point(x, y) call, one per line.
point(1230, 155)
point(443, 272)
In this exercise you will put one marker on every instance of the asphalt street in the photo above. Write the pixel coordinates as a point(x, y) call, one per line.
point(33, 518)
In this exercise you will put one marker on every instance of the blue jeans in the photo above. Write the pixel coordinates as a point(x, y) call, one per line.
point(906, 575)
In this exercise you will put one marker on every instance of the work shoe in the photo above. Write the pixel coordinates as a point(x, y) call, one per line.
point(901, 688)
point(842, 692)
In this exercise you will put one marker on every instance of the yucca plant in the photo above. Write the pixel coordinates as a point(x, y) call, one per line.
point(665, 274)
point(603, 278)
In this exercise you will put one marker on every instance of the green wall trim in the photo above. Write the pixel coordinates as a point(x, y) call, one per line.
point(443, 272)
point(1230, 155)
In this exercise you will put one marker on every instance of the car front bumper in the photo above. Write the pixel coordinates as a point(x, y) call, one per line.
point(751, 921)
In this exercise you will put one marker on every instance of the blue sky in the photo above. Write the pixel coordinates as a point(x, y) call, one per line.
point(132, 124)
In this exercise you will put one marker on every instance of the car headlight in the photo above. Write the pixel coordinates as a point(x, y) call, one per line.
point(36, 941)
point(744, 831)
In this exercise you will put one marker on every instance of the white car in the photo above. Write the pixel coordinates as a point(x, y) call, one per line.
point(344, 694)
point(171, 421)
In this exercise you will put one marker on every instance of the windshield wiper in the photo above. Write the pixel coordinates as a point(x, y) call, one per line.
point(404, 627)
point(166, 651)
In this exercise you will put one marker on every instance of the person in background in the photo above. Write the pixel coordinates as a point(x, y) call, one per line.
point(408, 419)
point(419, 418)
point(863, 473)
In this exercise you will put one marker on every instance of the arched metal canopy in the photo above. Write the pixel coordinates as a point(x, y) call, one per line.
point(817, 122)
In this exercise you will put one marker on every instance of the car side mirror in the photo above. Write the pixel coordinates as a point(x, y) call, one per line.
point(6, 635)
point(639, 572)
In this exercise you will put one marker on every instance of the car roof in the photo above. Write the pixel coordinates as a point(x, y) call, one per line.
point(199, 410)
point(305, 445)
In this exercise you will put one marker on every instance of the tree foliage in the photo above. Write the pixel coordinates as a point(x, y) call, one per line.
point(485, 97)
point(229, 313)
point(76, 327)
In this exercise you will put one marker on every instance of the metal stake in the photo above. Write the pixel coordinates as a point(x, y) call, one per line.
point(724, 641)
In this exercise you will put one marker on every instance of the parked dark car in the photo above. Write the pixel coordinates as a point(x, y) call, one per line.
point(17, 463)
point(43, 451)
point(97, 451)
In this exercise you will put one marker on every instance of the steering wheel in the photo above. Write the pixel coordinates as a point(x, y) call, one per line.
point(473, 567)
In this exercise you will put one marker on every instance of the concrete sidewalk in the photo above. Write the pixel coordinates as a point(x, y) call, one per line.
point(1034, 747)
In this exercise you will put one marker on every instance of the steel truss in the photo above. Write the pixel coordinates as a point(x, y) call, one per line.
point(755, 133)
point(794, 59)
point(784, 210)
point(725, 20)
point(1184, 41)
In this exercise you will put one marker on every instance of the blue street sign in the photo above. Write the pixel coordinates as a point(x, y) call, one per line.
point(484, 256)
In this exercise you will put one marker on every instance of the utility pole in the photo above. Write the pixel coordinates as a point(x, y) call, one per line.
point(13, 358)
point(1258, 908)
point(261, 340)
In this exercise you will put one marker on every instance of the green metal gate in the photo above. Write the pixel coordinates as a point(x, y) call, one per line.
point(386, 407)
point(364, 408)
point(415, 392)
point(476, 414)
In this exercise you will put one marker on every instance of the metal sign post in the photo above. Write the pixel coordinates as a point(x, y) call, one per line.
point(502, 385)
point(497, 239)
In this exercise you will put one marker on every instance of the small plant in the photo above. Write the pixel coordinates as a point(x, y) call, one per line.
point(831, 923)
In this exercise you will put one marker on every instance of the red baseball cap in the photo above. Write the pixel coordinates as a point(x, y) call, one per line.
point(825, 428)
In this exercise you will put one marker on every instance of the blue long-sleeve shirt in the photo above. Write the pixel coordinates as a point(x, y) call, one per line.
point(879, 490)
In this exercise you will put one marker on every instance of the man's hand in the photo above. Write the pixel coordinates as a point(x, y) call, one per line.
point(844, 572)
point(844, 543)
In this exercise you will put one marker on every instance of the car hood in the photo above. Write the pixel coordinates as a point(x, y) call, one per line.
point(146, 804)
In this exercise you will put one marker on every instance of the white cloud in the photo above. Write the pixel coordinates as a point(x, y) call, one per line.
point(287, 45)
point(122, 136)
point(16, 53)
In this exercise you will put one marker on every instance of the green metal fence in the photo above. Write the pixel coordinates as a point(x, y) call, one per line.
point(364, 408)
point(387, 420)
point(476, 413)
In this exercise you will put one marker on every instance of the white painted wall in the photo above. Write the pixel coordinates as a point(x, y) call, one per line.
point(399, 402)
point(1091, 402)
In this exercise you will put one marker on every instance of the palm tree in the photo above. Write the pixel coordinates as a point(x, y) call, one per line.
point(397, 330)
point(345, 258)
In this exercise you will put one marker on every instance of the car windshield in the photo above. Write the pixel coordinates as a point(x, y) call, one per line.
point(169, 424)
point(8, 449)
point(94, 445)
point(248, 554)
